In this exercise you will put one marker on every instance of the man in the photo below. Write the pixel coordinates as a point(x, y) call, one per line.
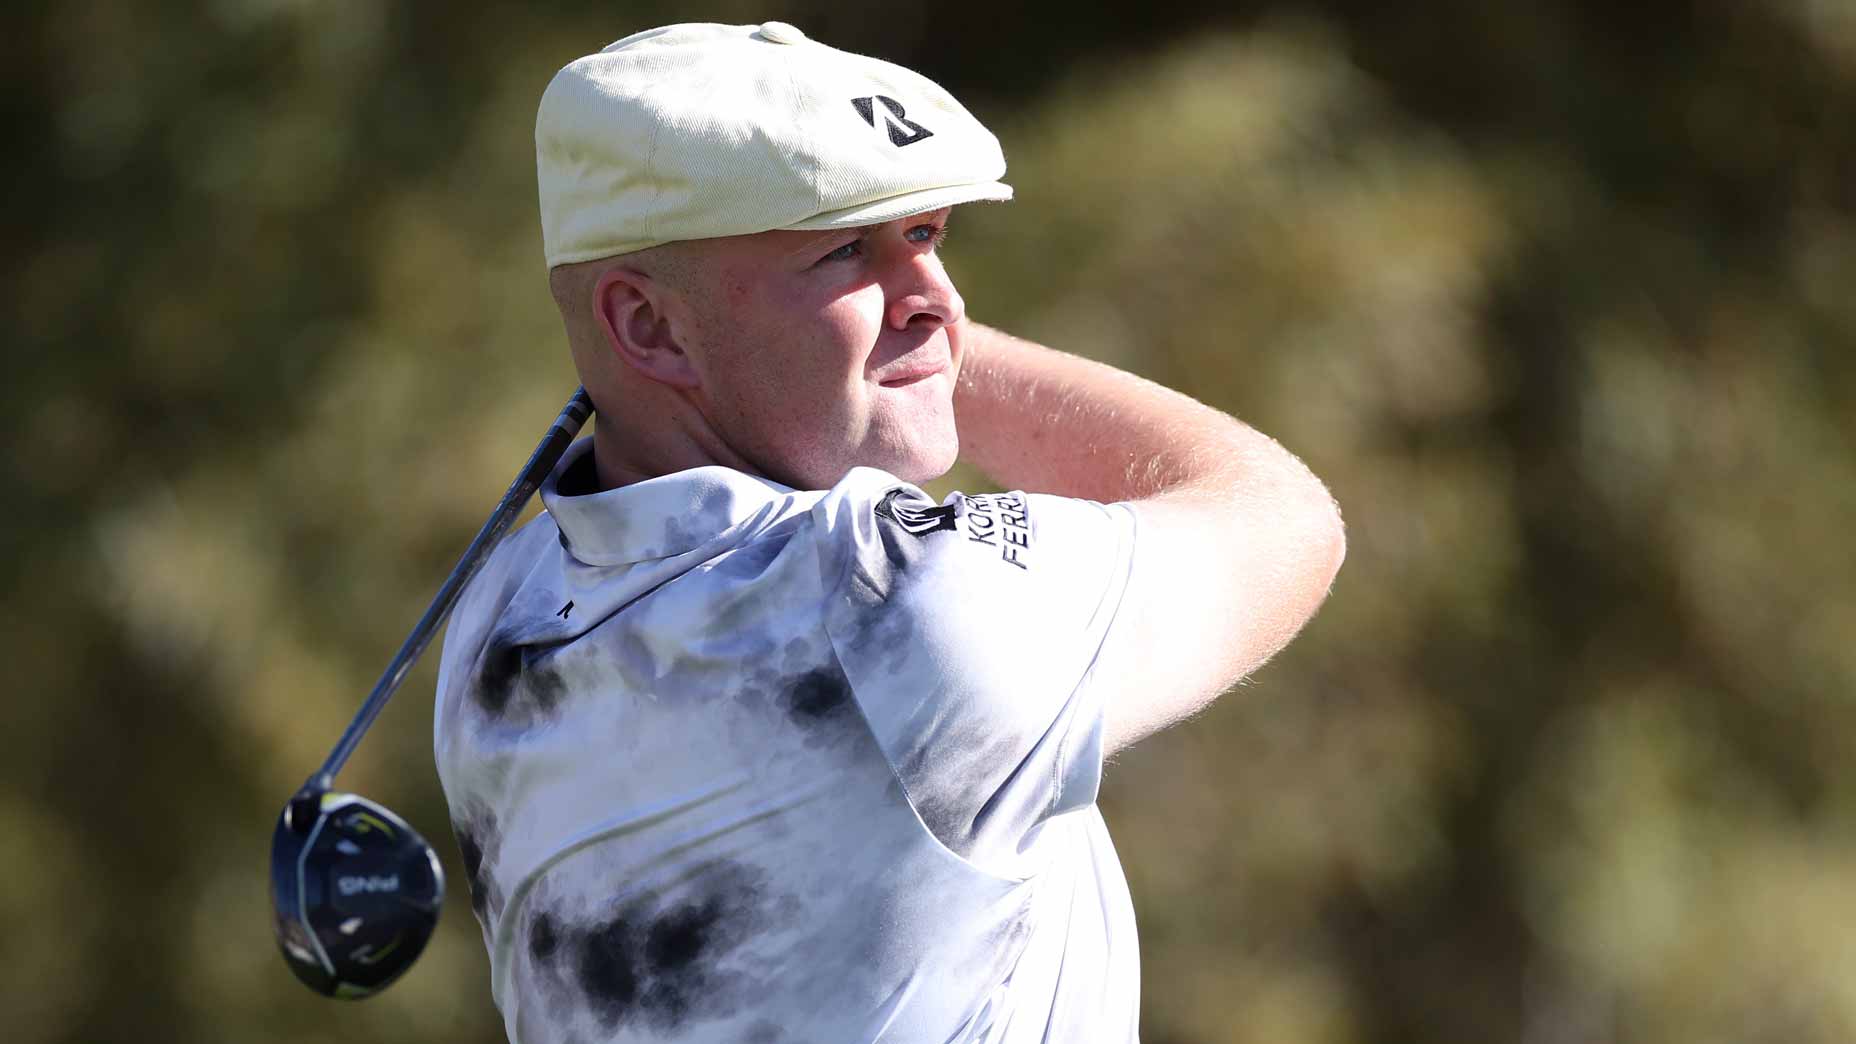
point(748, 739)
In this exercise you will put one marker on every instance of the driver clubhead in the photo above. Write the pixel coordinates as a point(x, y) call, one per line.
point(356, 893)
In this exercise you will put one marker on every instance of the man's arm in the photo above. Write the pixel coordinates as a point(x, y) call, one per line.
point(1238, 541)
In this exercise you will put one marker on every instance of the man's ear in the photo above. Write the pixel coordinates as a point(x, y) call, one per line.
point(630, 308)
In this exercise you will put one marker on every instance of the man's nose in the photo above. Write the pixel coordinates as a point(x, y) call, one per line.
point(923, 294)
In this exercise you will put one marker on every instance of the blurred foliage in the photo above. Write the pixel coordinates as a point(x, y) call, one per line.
point(1560, 298)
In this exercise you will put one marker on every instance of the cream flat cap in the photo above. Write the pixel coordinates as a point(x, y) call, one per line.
point(698, 131)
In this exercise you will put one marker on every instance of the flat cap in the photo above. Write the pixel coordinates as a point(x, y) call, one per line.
point(699, 131)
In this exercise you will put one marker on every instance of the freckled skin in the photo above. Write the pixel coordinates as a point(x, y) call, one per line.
point(794, 333)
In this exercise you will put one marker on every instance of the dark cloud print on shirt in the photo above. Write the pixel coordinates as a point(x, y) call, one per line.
point(666, 962)
point(480, 843)
point(803, 683)
point(518, 678)
point(818, 697)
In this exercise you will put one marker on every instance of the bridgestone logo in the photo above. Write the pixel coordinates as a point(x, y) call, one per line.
point(356, 885)
point(902, 130)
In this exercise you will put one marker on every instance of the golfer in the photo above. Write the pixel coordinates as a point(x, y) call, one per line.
point(748, 739)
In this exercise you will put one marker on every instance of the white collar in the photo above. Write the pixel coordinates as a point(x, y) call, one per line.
point(659, 517)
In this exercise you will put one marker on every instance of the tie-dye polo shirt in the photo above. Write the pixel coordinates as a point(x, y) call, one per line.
point(729, 761)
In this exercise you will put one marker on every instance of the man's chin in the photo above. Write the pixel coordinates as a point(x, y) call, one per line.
point(929, 465)
point(914, 464)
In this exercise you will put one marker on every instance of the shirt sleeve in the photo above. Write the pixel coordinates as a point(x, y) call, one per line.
point(968, 631)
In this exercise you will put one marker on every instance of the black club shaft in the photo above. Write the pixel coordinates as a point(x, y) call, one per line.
point(548, 453)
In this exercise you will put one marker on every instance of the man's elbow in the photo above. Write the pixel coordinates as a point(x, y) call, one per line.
point(1321, 543)
point(1310, 519)
point(1330, 538)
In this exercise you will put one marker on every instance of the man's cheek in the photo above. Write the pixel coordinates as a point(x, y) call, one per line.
point(956, 334)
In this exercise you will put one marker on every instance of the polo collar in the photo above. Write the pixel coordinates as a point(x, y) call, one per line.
point(660, 517)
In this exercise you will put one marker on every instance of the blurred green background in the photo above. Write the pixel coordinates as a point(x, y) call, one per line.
point(1559, 298)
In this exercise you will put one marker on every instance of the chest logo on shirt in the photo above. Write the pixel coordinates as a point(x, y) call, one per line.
point(915, 520)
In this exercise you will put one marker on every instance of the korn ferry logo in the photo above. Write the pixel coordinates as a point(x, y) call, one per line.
point(1000, 521)
point(916, 521)
point(902, 130)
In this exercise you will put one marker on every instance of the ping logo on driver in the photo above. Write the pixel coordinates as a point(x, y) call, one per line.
point(356, 884)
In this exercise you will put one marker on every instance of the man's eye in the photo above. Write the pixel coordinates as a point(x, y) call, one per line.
point(933, 235)
point(845, 252)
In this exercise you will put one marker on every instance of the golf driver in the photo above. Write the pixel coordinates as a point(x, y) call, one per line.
point(356, 890)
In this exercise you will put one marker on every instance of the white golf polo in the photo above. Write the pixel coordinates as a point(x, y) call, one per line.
point(734, 762)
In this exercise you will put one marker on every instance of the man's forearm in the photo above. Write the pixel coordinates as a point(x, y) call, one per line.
point(1036, 419)
point(1204, 608)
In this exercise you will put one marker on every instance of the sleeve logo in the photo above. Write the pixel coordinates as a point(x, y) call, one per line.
point(1002, 521)
point(915, 520)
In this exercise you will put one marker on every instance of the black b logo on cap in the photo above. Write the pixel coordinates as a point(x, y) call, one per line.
point(902, 130)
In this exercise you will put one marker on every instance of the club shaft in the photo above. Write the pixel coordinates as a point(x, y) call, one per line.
point(546, 455)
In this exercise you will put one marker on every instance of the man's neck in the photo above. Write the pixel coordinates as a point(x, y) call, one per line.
point(623, 457)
